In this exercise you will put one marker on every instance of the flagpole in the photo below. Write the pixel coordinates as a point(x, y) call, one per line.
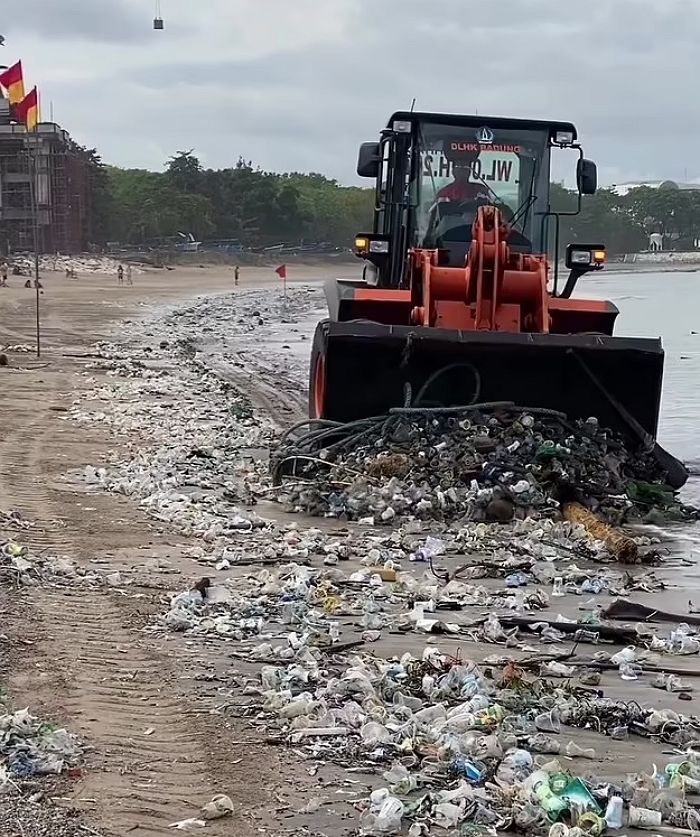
point(32, 168)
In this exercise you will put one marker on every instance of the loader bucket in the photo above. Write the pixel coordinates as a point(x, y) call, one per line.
point(362, 369)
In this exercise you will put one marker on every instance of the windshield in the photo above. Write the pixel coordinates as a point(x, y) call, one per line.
point(459, 169)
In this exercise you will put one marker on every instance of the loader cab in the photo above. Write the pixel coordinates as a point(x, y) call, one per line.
point(433, 171)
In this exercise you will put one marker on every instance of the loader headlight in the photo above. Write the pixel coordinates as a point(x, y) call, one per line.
point(368, 245)
point(564, 137)
point(582, 257)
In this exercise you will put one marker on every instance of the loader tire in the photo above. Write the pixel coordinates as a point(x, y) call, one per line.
point(318, 373)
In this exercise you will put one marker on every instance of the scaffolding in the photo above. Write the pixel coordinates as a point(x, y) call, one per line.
point(59, 169)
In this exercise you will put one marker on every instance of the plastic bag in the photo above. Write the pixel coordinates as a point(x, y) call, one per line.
point(400, 780)
point(219, 807)
point(383, 816)
point(374, 733)
point(627, 655)
point(516, 766)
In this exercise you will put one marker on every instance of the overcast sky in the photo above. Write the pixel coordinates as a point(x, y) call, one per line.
point(298, 84)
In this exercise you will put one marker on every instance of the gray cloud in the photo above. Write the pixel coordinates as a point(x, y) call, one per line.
point(71, 20)
point(300, 89)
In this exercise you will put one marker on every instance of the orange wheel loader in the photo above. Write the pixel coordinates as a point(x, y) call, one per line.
point(459, 302)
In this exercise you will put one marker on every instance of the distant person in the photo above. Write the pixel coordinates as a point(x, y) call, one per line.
point(236, 275)
point(3, 275)
point(129, 280)
point(120, 275)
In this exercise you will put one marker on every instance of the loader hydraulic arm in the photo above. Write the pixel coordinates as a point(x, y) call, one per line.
point(497, 290)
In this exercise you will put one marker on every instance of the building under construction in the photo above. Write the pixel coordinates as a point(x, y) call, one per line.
point(43, 189)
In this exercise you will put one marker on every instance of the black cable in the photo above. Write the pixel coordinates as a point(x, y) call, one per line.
point(439, 372)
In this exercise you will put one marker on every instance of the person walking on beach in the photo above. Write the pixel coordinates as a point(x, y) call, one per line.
point(129, 280)
point(3, 275)
point(120, 275)
point(236, 275)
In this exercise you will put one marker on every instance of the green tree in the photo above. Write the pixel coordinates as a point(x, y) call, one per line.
point(261, 208)
point(100, 199)
point(184, 171)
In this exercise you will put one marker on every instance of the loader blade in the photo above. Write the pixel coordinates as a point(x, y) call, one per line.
point(370, 368)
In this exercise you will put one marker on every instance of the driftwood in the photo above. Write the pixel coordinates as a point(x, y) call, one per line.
point(624, 636)
point(624, 610)
point(623, 548)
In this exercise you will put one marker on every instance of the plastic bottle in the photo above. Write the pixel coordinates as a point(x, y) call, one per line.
point(644, 818)
point(630, 671)
point(593, 585)
point(583, 635)
point(432, 548)
point(516, 580)
point(614, 812)
point(547, 722)
point(620, 733)
point(469, 769)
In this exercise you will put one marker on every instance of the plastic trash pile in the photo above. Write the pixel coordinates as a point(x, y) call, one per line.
point(19, 566)
point(79, 264)
point(480, 463)
point(30, 748)
point(204, 453)
point(456, 744)
point(200, 427)
point(295, 596)
point(13, 521)
point(411, 582)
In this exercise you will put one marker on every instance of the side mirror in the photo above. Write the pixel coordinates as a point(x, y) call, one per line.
point(585, 257)
point(586, 176)
point(368, 160)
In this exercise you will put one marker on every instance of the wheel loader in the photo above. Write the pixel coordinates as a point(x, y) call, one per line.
point(461, 299)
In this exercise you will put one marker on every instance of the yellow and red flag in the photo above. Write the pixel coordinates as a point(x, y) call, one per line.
point(13, 81)
point(27, 110)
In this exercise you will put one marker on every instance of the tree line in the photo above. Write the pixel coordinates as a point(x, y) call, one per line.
point(256, 208)
point(240, 204)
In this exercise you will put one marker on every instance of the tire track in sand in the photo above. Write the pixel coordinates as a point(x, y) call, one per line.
point(151, 767)
point(151, 761)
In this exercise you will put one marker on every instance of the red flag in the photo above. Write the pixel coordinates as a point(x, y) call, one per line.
point(281, 271)
point(27, 110)
point(13, 81)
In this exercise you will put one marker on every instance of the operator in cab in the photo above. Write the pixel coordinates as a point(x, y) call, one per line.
point(462, 189)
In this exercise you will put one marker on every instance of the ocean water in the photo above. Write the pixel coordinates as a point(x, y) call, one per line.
point(665, 305)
